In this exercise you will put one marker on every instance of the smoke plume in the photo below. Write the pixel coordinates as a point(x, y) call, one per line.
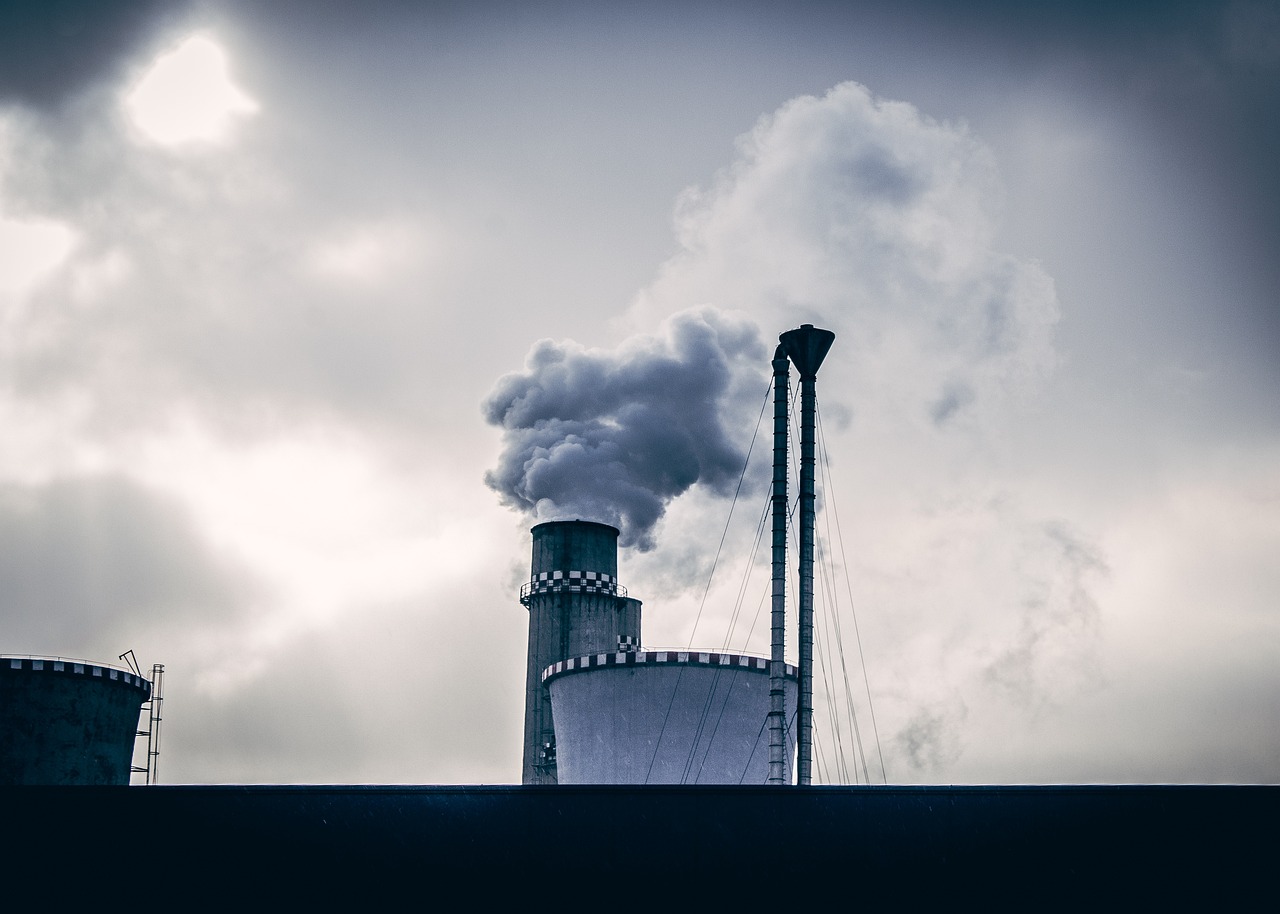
point(615, 435)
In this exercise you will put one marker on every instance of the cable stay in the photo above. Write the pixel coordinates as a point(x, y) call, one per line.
point(701, 605)
point(829, 488)
point(728, 520)
point(745, 584)
point(832, 618)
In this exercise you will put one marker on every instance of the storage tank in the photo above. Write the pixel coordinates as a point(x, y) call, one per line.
point(576, 607)
point(664, 717)
point(67, 722)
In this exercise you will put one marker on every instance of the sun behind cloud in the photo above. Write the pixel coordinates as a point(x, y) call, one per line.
point(186, 96)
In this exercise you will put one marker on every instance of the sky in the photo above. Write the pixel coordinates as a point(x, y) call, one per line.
point(308, 311)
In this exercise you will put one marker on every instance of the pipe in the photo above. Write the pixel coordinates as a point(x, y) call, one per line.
point(777, 664)
point(806, 347)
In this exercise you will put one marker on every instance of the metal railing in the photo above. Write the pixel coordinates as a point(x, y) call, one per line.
point(567, 585)
point(57, 659)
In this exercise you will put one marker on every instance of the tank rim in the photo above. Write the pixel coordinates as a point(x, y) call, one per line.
point(72, 666)
point(725, 660)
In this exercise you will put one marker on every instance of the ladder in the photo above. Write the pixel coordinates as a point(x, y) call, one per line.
point(153, 707)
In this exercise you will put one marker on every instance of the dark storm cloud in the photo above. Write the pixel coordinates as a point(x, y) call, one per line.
point(614, 436)
point(84, 558)
point(52, 49)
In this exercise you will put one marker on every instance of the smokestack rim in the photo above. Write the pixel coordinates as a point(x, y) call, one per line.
point(561, 523)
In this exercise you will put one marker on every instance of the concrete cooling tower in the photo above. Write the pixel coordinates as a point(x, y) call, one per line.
point(67, 722)
point(663, 717)
point(576, 607)
point(600, 711)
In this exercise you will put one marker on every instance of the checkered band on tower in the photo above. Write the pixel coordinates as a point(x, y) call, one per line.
point(571, 582)
point(63, 666)
point(623, 657)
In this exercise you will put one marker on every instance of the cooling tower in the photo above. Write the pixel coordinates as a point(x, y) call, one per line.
point(663, 717)
point(576, 607)
point(67, 722)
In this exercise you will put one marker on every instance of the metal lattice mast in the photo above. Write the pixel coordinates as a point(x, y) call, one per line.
point(777, 663)
point(806, 347)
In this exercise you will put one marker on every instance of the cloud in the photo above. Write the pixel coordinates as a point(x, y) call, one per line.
point(931, 740)
point(187, 96)
point(28, 251)
point(858, 214)
point(869, 218)
point(300, 711)
point(288, 720)
point(205, 284)
point(52, 50)
point(614, 436)
point(981, 620)
point(394, 227)
point(1054, 653)
point(367, 253)
point(88, 562)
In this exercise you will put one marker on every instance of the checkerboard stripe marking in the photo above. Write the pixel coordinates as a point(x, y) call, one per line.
point(46, 665)
point(636, 658)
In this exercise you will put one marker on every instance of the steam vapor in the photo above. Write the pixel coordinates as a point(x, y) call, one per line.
point(614, 436)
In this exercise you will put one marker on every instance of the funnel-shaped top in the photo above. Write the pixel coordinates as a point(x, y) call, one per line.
point(807, 346)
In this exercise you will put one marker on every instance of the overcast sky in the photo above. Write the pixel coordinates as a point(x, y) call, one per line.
point(309, 310)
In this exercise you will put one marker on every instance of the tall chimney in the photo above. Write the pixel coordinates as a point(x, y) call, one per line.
point(777, 661)
point(576, 607)
point(806, 347)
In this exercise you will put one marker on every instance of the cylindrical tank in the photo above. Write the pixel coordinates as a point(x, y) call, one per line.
point(67, 722)
point(664, 717)
point(576, 606)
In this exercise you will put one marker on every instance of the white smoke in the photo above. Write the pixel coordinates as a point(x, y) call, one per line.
point(869, 218)
point(614, 435)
